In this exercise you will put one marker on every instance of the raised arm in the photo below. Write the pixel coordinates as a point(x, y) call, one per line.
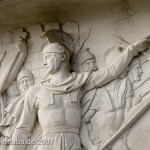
point(111, 72)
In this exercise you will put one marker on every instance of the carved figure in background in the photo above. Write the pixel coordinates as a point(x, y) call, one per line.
point(58, 97)
point(135, 113)
point(9, 73)
point(108, 110)
point(143, 87)
point(135, 71)
point(134, 75)
point(25, 80)
point(86, 62)
point(14, 109)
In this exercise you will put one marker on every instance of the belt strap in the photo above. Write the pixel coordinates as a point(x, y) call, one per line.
point(61, 129)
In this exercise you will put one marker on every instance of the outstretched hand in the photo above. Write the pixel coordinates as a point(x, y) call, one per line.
point(142, 44)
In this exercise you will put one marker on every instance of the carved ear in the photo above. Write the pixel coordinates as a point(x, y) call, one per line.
point(61, 48)
point(63, 57)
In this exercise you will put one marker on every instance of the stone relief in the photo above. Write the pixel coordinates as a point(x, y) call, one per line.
point(108, 110)
point(91, 108)
point(15, 99)
point(11, 64)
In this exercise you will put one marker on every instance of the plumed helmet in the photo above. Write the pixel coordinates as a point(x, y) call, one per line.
point(58, 42)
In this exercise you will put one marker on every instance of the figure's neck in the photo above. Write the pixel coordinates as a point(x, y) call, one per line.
point(130, 76)
point(60, 76)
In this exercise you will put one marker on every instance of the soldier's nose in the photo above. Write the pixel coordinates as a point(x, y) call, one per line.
point(25, 82)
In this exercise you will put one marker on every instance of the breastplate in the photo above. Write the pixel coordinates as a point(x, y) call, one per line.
point(61, 110)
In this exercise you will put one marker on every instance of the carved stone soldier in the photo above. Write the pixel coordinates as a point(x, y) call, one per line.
point(56, 100)
point(9, 72)
point(15, 107)
point(135, 73)
point(25, 80)
point(108, 109)
point(86, 62)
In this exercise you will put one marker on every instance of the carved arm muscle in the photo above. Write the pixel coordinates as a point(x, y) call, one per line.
point(109, 73)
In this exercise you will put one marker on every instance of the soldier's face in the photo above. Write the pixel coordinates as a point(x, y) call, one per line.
point(52, 61)
point(137, 72)
point(89, 65)
point(25, 83)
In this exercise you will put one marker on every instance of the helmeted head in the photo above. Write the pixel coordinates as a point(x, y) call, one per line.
point(135, 72)
point(25, 80)
point(86, 61)
point(54, 54)
point(57, 50)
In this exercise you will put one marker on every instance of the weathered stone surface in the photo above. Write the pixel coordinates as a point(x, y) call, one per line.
point(113, 114)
